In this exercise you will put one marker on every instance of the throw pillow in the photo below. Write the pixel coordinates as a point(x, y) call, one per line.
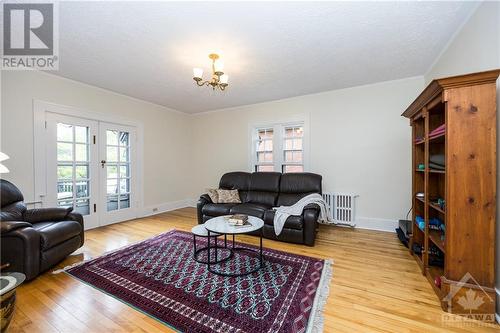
point(214, 196)
point(228, 196)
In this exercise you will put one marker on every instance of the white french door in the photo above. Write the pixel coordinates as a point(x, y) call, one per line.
point(72, 166)
point(117, 168)
point(91, 167)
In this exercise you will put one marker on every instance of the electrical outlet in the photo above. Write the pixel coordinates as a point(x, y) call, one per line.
point(155, 209)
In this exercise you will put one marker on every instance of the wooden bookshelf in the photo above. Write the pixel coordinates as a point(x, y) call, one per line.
point(465, 242)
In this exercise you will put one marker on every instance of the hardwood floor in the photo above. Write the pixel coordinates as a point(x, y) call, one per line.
point(376, 285)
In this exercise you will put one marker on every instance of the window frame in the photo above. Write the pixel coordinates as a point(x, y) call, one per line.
point(279, 129)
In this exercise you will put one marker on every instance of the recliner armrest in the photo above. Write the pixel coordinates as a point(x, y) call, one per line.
point(205, 197)
point(8, 226)
point(312, 206)
point(47, 214)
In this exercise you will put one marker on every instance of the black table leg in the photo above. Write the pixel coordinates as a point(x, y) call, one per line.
point(216, 248)
point(208, 239)
point(260, 257)
point(194, 245)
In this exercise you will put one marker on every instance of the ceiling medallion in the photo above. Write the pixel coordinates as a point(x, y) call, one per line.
point(218, 80)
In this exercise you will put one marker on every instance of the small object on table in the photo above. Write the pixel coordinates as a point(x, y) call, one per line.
point(238, 220)
point(8, 284)
point(421, 166)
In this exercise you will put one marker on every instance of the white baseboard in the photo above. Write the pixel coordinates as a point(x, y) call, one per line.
point(378, 224)
point(167, 206)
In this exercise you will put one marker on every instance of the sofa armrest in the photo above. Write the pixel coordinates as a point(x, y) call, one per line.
point(8, 226)
point(310, 216)
point(47, 214)
point(78, 218)
point(20, 248)
point(204, 199)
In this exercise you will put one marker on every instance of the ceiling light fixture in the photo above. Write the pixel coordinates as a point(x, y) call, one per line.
point(218, 80)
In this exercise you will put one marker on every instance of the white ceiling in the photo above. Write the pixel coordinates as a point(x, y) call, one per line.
point(271, 50)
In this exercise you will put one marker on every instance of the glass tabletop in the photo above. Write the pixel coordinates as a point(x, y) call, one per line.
point(9, 281)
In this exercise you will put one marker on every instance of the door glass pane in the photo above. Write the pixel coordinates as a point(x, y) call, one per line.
point(82, 171)
point(112, 171)
point(112, 186)
point(64, 132)
point(82, 189)
point(123, 154)
point(124, 201)
point(81, 134)
point(64, 151)
point(112, 138)
point(64, 190)
point(124, 171)
point(82, 206)
point(112, 203)
point(81, 152)
point(65, 203)
point(112, 154)
point(64, 172)
point(124, 139)
point(124, 186)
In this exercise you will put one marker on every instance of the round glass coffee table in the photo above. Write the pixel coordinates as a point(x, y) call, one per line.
point(220, 225)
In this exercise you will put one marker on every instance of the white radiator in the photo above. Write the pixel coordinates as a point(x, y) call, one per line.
point(341, 208)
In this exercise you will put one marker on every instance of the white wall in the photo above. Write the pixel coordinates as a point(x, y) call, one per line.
point(476, 48)
point(359, 142)
point(167, 139)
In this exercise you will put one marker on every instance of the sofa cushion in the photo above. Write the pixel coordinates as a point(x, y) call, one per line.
point(212, 209)
point(294, 186)
point(228, 196)
point(54, 233)
point(292, 222)
point(264, 188)
point(252, 209)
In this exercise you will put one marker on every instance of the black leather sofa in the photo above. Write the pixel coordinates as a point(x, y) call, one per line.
point(259, 193)
point(33, 240)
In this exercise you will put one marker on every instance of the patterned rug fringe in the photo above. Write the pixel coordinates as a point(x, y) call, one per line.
point(76, 264)
point(317, 320)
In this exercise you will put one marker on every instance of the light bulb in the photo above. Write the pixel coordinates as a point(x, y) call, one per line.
point(218, 66)
point(198, 73)
point(3, 156)
point(3, 169)
point(224, 78)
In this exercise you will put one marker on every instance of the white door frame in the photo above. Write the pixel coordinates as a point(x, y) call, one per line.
point(40, 109)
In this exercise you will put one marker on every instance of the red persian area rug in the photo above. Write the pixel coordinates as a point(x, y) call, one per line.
point(159, 277)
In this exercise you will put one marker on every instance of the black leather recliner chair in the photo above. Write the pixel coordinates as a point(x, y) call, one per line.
point(33, 240)
point(260, 192)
